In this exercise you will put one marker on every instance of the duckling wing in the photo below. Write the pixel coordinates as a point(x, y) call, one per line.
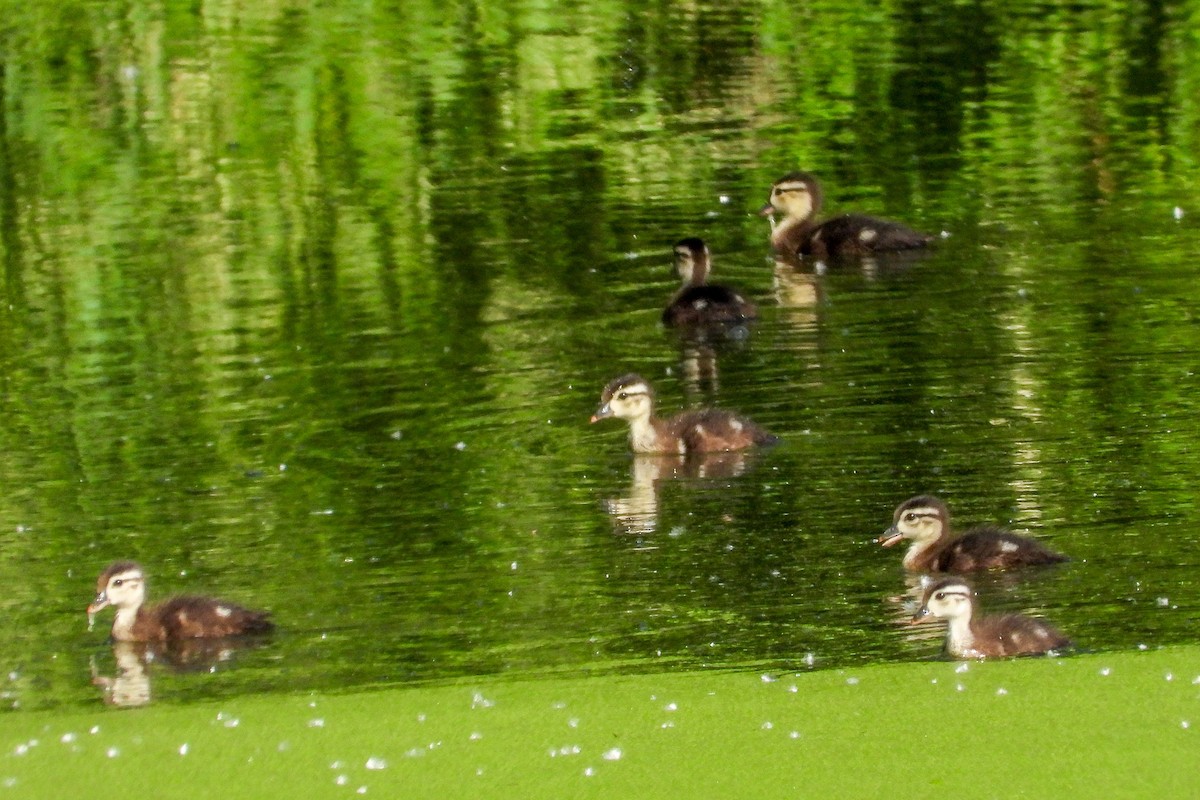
point(708, 304)
point(205, 617)
point(711, 430)
point(859, 234)
point(991, 547)
point(1018, 635)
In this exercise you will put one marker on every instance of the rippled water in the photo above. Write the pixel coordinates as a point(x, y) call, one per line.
point(318, 324)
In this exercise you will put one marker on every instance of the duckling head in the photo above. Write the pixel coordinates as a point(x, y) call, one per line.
point(122, 585)
point(796, 196)
point(628, 397)
point(923, 519)
point(949, 598)
point(692, 261)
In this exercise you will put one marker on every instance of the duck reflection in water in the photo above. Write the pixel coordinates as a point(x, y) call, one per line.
point(637, 512)
point(130, 685)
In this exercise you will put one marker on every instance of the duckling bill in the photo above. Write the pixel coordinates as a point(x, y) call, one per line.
point(123, 586)
point(708, 430)
point(796, 201)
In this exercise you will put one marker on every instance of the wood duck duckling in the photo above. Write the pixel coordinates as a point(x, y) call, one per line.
point(1000, 636)
point(698, 303)
point(796, 197)
point(123, 585)
point(707, 430)
point(925, 520)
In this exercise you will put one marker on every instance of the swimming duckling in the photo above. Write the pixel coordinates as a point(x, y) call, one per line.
point(123, 585)
point(697, 302)
point(708, 430)
point(926, 521)
point(989, 637)
point(797, 197)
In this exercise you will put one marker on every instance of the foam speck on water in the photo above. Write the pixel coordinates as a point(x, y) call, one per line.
point(612, 755)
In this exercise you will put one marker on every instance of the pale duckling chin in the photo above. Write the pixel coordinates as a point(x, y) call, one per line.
point(708, 430)
point(123, 586)
point(1001, 636)
point(793, 206)
point(924, 520)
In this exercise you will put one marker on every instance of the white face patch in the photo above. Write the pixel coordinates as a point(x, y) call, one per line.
point(867, 235)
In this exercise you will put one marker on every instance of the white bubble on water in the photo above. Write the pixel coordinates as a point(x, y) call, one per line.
point(589, 771)
point(671, 707)
point(183, 749)
point(112, 752)
point(67, 738)
point(1002, 691)
point(1105, 671)
point(961, 668)
point(613, 754)
point(375, 762)
point(316, 723)
point(342, 780)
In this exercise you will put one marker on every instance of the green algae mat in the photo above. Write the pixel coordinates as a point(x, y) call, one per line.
point(1124, 725)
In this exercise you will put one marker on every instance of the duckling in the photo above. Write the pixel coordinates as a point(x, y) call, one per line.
point(123, 585)
point(926, 521)
point(989, 637)
point(797, 196)
point(698, 303)
point(707, 430)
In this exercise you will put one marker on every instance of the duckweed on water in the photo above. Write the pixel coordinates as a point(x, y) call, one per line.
point(728, 734)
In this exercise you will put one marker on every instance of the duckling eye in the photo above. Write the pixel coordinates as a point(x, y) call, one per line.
point(621, 395)
point(910, 517)
point(940, 595)
point(118, 581)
